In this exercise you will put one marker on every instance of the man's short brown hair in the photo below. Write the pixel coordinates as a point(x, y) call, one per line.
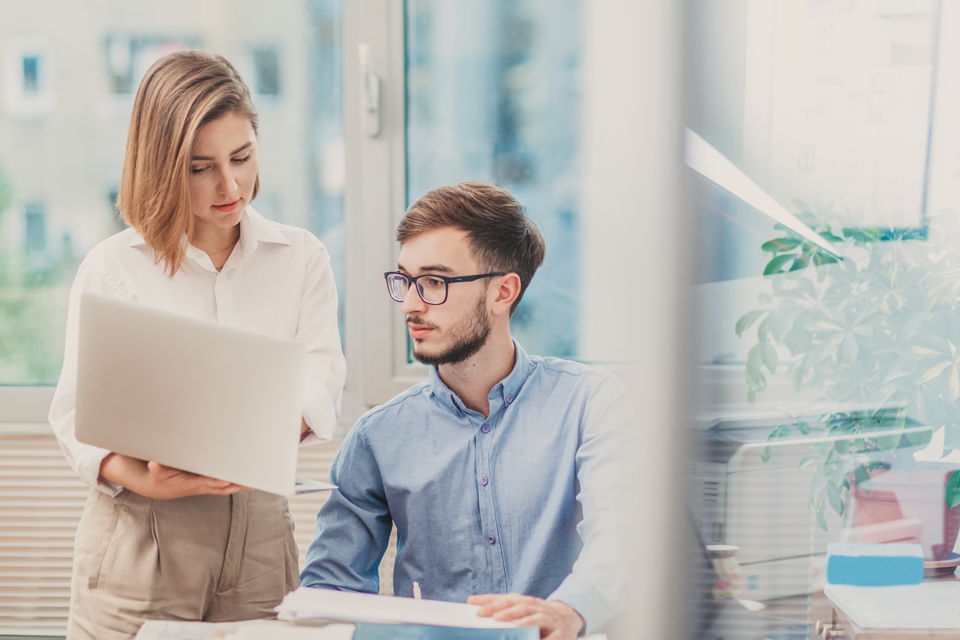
point(502, 236)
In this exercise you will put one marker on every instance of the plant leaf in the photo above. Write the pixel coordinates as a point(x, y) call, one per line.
point(753, 363)
point(780, 433)
point(803, 427)
point(952, 388)
point(952, 493)
point(822, 511)
point(780, 244)
point(809, 460)
point(768, 355)
point(773, 267)
point(833, 494)
point(746, 320)
point(933, 371)
point(849, 348)
point(800, 263)
point(862, 476)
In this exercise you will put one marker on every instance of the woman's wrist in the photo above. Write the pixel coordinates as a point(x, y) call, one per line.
point(123, 470)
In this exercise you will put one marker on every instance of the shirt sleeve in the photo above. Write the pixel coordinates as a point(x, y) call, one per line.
point(318, 332)
point(609, 442)
point(85, 459)
point(353, 525)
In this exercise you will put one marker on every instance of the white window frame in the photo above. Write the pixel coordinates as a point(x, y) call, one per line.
point(375, 196)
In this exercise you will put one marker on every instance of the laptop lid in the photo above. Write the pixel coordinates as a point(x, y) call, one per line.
point(190, 394)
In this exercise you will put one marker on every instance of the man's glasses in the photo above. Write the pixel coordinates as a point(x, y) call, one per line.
point(432, 289)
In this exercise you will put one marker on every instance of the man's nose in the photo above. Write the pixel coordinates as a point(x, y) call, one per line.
point(412, 302)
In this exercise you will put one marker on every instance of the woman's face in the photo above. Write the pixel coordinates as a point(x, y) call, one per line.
point(223, 171)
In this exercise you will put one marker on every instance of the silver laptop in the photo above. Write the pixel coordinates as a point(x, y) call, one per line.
point(190, 394)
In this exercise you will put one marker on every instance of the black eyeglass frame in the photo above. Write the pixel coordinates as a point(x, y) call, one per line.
point(446, 282)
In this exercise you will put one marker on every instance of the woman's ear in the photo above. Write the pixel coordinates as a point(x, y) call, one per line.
point(507, 291)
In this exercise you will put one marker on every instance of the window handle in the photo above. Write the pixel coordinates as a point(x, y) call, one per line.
point(370, 102)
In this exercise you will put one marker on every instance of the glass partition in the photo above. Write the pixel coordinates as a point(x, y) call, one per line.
point(827, 280)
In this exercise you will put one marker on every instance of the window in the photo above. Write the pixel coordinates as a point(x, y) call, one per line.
point(35, 241)
point(452, 91)
point(29, 78)
point(266, 72)
point(31, 74)
point(493, 93)
point(59, 176)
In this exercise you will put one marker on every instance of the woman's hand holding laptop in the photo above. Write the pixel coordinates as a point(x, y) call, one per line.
point(159, 482)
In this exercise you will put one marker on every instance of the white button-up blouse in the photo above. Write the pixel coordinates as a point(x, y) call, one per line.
point(276, 282)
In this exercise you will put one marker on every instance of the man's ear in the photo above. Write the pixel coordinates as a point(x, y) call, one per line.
point(507, 289)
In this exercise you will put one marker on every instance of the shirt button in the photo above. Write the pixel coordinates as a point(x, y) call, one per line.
point(484, 481)
point(491, 539)
point(485, 428)
point(509, 399)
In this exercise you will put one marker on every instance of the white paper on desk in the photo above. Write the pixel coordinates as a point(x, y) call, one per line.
point(290, 632)
point(250, 630)
point(928, 605)
point(324, 604)
point(177, 630)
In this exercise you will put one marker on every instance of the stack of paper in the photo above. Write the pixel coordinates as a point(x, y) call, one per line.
point(323, 604)
point(251, 630)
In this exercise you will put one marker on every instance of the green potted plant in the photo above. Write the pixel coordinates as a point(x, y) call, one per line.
point(877, 333)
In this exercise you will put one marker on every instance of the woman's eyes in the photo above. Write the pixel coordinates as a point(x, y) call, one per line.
point(199, 170)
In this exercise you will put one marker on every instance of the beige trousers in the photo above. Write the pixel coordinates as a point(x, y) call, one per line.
point(213, 558)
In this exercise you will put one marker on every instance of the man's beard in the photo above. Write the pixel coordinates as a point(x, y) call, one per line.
point(469, 336)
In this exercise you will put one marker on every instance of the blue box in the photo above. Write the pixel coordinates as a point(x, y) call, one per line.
point(874, 565)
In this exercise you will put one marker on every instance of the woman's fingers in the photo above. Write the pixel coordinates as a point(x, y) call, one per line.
point(175, 483)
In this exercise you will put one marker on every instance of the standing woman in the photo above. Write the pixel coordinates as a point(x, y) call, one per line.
point(155, 542)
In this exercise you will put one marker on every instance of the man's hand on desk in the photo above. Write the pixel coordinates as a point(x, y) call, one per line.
point(156, 481)
point(557, 620)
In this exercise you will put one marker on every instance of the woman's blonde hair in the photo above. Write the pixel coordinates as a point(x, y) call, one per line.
point(180, 93)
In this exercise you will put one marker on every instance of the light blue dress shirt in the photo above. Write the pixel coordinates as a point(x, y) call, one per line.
point(529, 500)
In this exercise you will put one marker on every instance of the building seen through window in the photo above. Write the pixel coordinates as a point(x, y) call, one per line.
point(31, 74)
point(65, 126)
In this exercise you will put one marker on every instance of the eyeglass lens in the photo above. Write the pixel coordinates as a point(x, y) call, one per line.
point(432, 290)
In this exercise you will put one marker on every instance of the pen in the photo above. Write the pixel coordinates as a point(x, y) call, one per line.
point(416, 591)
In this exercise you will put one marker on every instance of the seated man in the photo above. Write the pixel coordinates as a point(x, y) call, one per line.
point(503, 472)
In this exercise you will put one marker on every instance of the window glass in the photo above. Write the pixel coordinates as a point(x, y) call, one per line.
point(68, 97)
point(493, 93)
point(828, 376)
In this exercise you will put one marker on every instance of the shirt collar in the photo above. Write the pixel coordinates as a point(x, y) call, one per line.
point(254, 229)
point(508, 388)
